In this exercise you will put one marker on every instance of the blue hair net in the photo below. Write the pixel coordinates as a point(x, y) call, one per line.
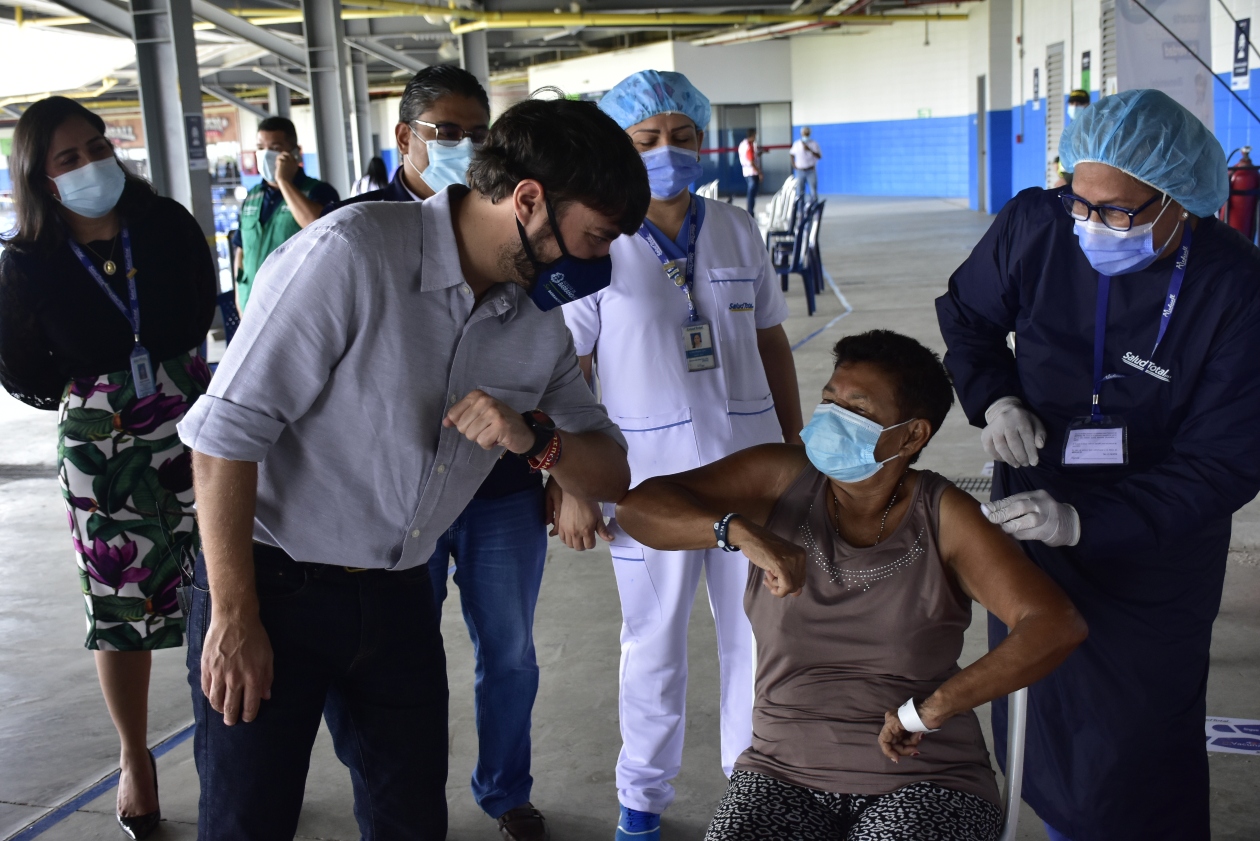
point(1148, 135)
point(651, 92)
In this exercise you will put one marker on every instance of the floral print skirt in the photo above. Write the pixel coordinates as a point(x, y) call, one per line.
point(127, 481)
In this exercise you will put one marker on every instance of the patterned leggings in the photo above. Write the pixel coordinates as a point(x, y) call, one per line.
point(757, 807)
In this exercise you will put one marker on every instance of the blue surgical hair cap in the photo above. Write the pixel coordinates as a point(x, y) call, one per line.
point(650, 92)
point(1148, 135)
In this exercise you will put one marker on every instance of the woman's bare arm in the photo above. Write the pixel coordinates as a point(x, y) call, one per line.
point(678, 512)
point(991, 568)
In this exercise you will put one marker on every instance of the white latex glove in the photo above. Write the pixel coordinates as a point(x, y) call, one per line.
point(1034, 515)
point(1014, 434)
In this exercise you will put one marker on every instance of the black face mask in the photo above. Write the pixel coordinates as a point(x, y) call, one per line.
point(566, 279)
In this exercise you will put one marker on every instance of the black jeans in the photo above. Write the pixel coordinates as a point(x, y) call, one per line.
point(363, 649)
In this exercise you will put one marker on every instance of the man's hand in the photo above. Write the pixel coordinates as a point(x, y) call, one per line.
point(783, 562)
point(236, 665)
point(579, 521)
point(286, 167)
point(490, 423)
point(895, 740)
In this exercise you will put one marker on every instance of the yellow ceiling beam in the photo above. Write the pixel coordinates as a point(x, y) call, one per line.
point(469, 20)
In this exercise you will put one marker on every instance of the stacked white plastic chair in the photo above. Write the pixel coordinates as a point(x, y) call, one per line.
point(708, 191)
point(778, 213)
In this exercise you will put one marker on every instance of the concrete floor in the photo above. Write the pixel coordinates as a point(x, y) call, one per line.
point(890, 257)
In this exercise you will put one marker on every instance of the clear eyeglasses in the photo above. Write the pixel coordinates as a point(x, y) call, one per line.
point(1115, 218)
point(450, 134)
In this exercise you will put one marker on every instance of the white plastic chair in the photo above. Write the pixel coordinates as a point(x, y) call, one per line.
point(709, 191)
point(1016, 724)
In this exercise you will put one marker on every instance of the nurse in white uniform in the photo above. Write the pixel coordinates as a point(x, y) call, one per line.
point(693, 364)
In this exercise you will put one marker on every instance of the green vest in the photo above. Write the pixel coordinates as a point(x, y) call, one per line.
point(259, 240)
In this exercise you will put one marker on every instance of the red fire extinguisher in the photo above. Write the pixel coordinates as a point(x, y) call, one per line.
point(1239, 211)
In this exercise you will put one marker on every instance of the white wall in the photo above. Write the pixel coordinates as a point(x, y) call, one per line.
point(304, 121)
point(885, 74)
point(598, 73)
point(738, 74)
point(728, 75)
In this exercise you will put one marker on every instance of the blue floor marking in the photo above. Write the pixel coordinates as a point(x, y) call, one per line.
point(74, 804)
point(844, 302)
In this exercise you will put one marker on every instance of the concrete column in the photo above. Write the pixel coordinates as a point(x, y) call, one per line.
point(329, 73)
point(360, 103)
point(278, 100)
point(1002, 120)
point(474, 56)
point(170, 102)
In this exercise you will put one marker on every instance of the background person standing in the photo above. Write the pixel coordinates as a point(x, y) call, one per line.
point(106, 292)
point(285, 202)
point(750, 162)
point(805, 157)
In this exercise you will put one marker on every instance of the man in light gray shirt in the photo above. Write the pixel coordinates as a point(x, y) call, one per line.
point(391, 353)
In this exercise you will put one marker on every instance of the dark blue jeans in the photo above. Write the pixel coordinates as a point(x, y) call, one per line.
point(499, 546)
point(361, 649)
point(753, 183)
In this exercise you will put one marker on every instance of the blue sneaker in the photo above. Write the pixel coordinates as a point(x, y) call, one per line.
point(634, 825)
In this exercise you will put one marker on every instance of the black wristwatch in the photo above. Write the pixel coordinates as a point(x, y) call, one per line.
point(544, 429)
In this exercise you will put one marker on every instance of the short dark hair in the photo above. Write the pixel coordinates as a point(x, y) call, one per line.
point(752, 132)
point(38, 226)
point(433, 83)
point(923, 386)
point(576, 151)
point(283, 124)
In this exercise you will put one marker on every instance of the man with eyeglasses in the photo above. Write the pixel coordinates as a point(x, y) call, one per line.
point(442, 119)
point(499, 543)
point(1123, 428)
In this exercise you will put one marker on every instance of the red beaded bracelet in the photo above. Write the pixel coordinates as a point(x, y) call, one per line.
point(548, 457)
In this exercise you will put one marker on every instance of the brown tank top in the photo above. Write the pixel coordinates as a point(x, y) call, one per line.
point(872, 627)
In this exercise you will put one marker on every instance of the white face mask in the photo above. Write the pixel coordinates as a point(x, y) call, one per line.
point(93, 189)
point(267, 164)
point(1120, 252)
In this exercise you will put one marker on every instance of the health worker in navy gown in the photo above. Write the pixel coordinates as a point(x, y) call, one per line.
point(1124, 426)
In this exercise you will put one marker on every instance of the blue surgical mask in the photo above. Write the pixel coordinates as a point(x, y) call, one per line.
point(1120, 252)
point(447, 164)
point(267, 165)
point(93, 189)
point(842, 444)
point(567, 279)
point(670, 170)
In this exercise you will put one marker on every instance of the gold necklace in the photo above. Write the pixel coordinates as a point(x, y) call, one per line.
point(110, 266)
point(883, 520)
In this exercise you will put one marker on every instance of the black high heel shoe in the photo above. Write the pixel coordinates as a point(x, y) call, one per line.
point(142, 826)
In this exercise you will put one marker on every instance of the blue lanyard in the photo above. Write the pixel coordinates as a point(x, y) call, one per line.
point(132, 313)
point(684, 282)
point(1100, 319)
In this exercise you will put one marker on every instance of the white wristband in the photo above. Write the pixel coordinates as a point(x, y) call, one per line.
point(910, 719)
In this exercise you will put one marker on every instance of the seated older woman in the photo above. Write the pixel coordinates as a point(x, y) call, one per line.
point(863, 725)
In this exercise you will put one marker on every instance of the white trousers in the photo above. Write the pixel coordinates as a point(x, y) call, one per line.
point(657, 591)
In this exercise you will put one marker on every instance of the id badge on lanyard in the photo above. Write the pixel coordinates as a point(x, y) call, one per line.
point(697, 333)
point(141, 364)
point(1098, 440)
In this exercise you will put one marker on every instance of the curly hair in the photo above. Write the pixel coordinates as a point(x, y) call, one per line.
point(922, 384)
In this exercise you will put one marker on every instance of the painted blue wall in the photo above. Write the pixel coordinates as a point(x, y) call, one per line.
point(1000, 137)
point(1234, 126)
point(1028, 158)
point(924, 157)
